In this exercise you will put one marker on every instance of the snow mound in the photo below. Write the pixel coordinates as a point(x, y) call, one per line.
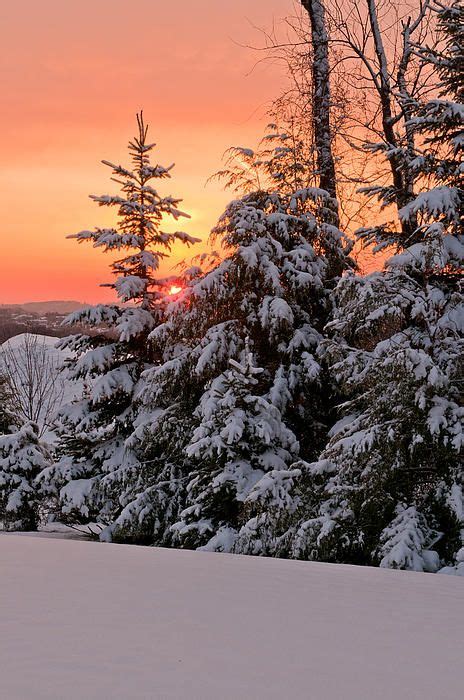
point(85, 620)
point(48, 357)
point(17, 341)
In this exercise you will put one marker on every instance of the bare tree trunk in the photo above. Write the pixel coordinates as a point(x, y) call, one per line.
point(401, 181)
point(321, 107)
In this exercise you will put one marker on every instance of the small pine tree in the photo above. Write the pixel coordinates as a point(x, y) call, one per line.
point(403, 542)
point(22, 458)
point(241, 452)
point(94, 429)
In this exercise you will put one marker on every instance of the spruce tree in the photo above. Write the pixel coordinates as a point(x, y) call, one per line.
point(403, 542)
point(396, 350)
point(280, 256)
point(390, 483)
point(93, 430)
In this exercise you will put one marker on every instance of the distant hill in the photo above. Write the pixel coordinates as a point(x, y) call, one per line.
point(42, 318)
point(47, 307)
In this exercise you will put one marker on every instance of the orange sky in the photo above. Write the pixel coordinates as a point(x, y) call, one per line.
point(72, 77)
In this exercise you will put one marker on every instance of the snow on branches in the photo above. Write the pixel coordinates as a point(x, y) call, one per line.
point(22, 459)
point(93, 430)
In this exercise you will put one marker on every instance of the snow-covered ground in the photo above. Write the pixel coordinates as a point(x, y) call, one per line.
point(86, 620)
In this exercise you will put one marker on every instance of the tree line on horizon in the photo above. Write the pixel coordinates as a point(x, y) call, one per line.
point(281, 403)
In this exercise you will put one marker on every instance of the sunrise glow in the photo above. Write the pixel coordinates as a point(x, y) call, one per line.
point(174, 290)
point(69, 98)
point(231, 331)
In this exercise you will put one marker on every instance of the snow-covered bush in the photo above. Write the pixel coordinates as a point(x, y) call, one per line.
point(22, 458)
point(403, 542)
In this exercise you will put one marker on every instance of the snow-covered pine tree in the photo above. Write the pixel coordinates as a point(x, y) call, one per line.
point(241, 451)
point(397, 351)
point(93, 430)
point(439, 122)
point(280, 261)
point(22, 458)
point(403, 542)
point(391, 480)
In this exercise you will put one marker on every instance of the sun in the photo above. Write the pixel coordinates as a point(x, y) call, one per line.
point(174, 290)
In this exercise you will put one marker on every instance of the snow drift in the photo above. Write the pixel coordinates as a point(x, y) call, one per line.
point(84, 620)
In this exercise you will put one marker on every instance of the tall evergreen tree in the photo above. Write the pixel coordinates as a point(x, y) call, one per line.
point(93, 430)
point(390, 483)
point(280, 261)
